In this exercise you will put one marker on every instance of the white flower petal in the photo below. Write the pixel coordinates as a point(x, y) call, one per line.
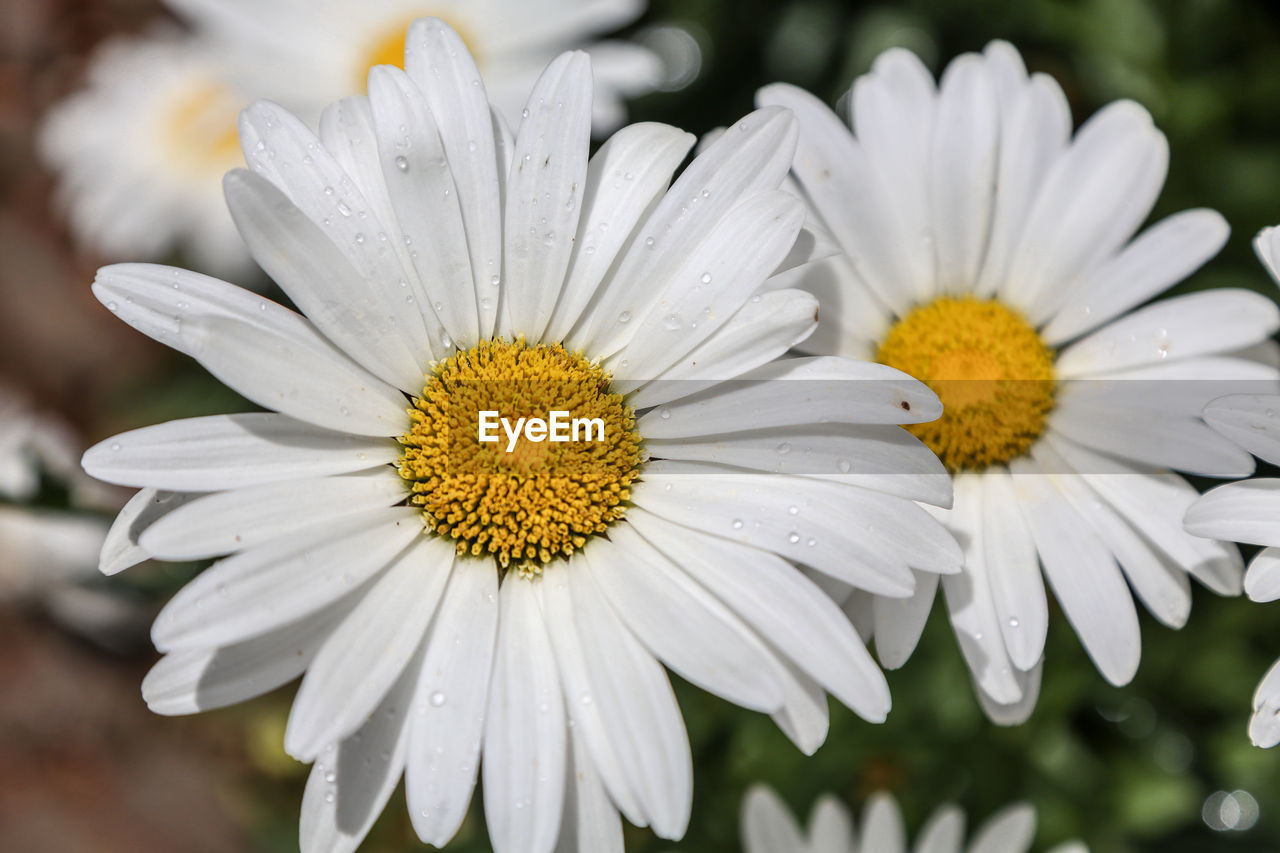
point(121, 549)
point(351, 781)
point(1262, 581)
point(761, 330)
point(768, 825)
point(591, 823)
point(367, 653)
point(878, 457)
point(785, 607)
point(437, 59)
point(625, 178)
point(1264, 727)
point(188, 682)
point(882, 826)
point(525, 732)
point(899, 622)
point(545, 191)
point(231, 451)
point(682, 624)
point(239, 519)
point(796, 391)
point(1015, 713)
point(830, 826)
point(1204, 323)
point(1247, 511)
point(943, 832)
point(962, 170)
point(1250, 420)
point(1154, 502)
point(363, 316)
point(1093, 198)
point(1266, 245)
point(1013, 571)
point(257, 591)
point(752, 157)
point(1010, 830)
point(417, 168)
point(712, 283)
point(1160, 257)
point(453, 691)
point(804, 717)
point(1082, 573)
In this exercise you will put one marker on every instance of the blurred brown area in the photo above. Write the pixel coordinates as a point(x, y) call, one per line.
point(84, 766)
point(56, 342)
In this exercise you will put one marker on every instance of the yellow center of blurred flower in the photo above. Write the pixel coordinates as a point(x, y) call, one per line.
point(387, 46)
point(989, 367)
point(202, 127)
point(524, 495)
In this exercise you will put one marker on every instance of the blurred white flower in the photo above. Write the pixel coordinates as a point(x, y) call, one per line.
point(991, 253)
point(1249, 511)
point(768, 827)
point(440, 594)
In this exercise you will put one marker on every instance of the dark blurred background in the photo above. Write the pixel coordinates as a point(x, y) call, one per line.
point(1161, 765)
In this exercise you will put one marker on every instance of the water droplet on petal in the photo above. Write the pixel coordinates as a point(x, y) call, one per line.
point(437, 699)
point(402, 163)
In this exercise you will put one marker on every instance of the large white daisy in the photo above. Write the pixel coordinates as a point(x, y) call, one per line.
point(992, 254)
point(323, 49)
point(1249, 511)
point(141, 150)
point(446, 598)
point(768, 827)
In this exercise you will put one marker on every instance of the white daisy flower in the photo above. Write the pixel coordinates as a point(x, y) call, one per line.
point(322, 50)
point(1248, 511)
point(447, 597)
point(140, 152)
point(992, 254)
point(768, 827)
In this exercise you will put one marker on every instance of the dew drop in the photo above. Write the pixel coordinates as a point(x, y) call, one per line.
point(328, 797)
point(811, 542)
point(665, 414)
point(844, 465)
point(671, 322)
point(624, 317)
point(494, 280)
point(785, 447)
point(344, 209)
point(706, 278)
point(111, 306)
point(115, 445)
point(737, 524)
point(793, 510)
point(359, 239)
point(1013, 622)
point(402, 163)
point(793, 538)
point(437, 699)
point(649, 241)
point(331, 777)
point(328, 190)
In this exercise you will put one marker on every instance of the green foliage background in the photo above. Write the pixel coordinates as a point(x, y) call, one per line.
point(1124, 769)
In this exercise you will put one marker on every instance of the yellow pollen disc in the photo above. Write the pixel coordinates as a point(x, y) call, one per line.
point(541, 500)
point(989, 367)
point(202, 127)
point(387, 47)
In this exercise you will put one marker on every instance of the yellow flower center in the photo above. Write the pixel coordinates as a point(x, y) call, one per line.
point(202, 127)
point(523, 496)
point(989, 367)
point(387, 47)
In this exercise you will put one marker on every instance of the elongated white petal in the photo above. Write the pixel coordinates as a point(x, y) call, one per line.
point(624, 180)
point(437, 60)
point(453, 691)
point(188, 682)
point(712, 283)
point(1008, 831)
point(768, 825)
point(351, 781)
point(830, 825)
point(366, 654)
point(1015, 713)
point(1251, 421)
point(545, 191)
point(787, 608)
point(591, 823)
point(804, 718)
point(1248, 511)
point(1082, 572)
point(962, 170)
point(899, 622)
point(1195, 324)
point(882, 458)
point(525, 732)
point(416, 168)
point(240, 519)
point(882, 826)
point(121, 549)
point(364, 316)
point(637, 708)
point(1264, 726)
point(259, 590)
point(1161, 256)
point(761, 330)
point(753, 156)
point(797, 391)
point(231, 451)
point(684, 626)
point(943, 832)
point(1262, 581)
point(1013, 571)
